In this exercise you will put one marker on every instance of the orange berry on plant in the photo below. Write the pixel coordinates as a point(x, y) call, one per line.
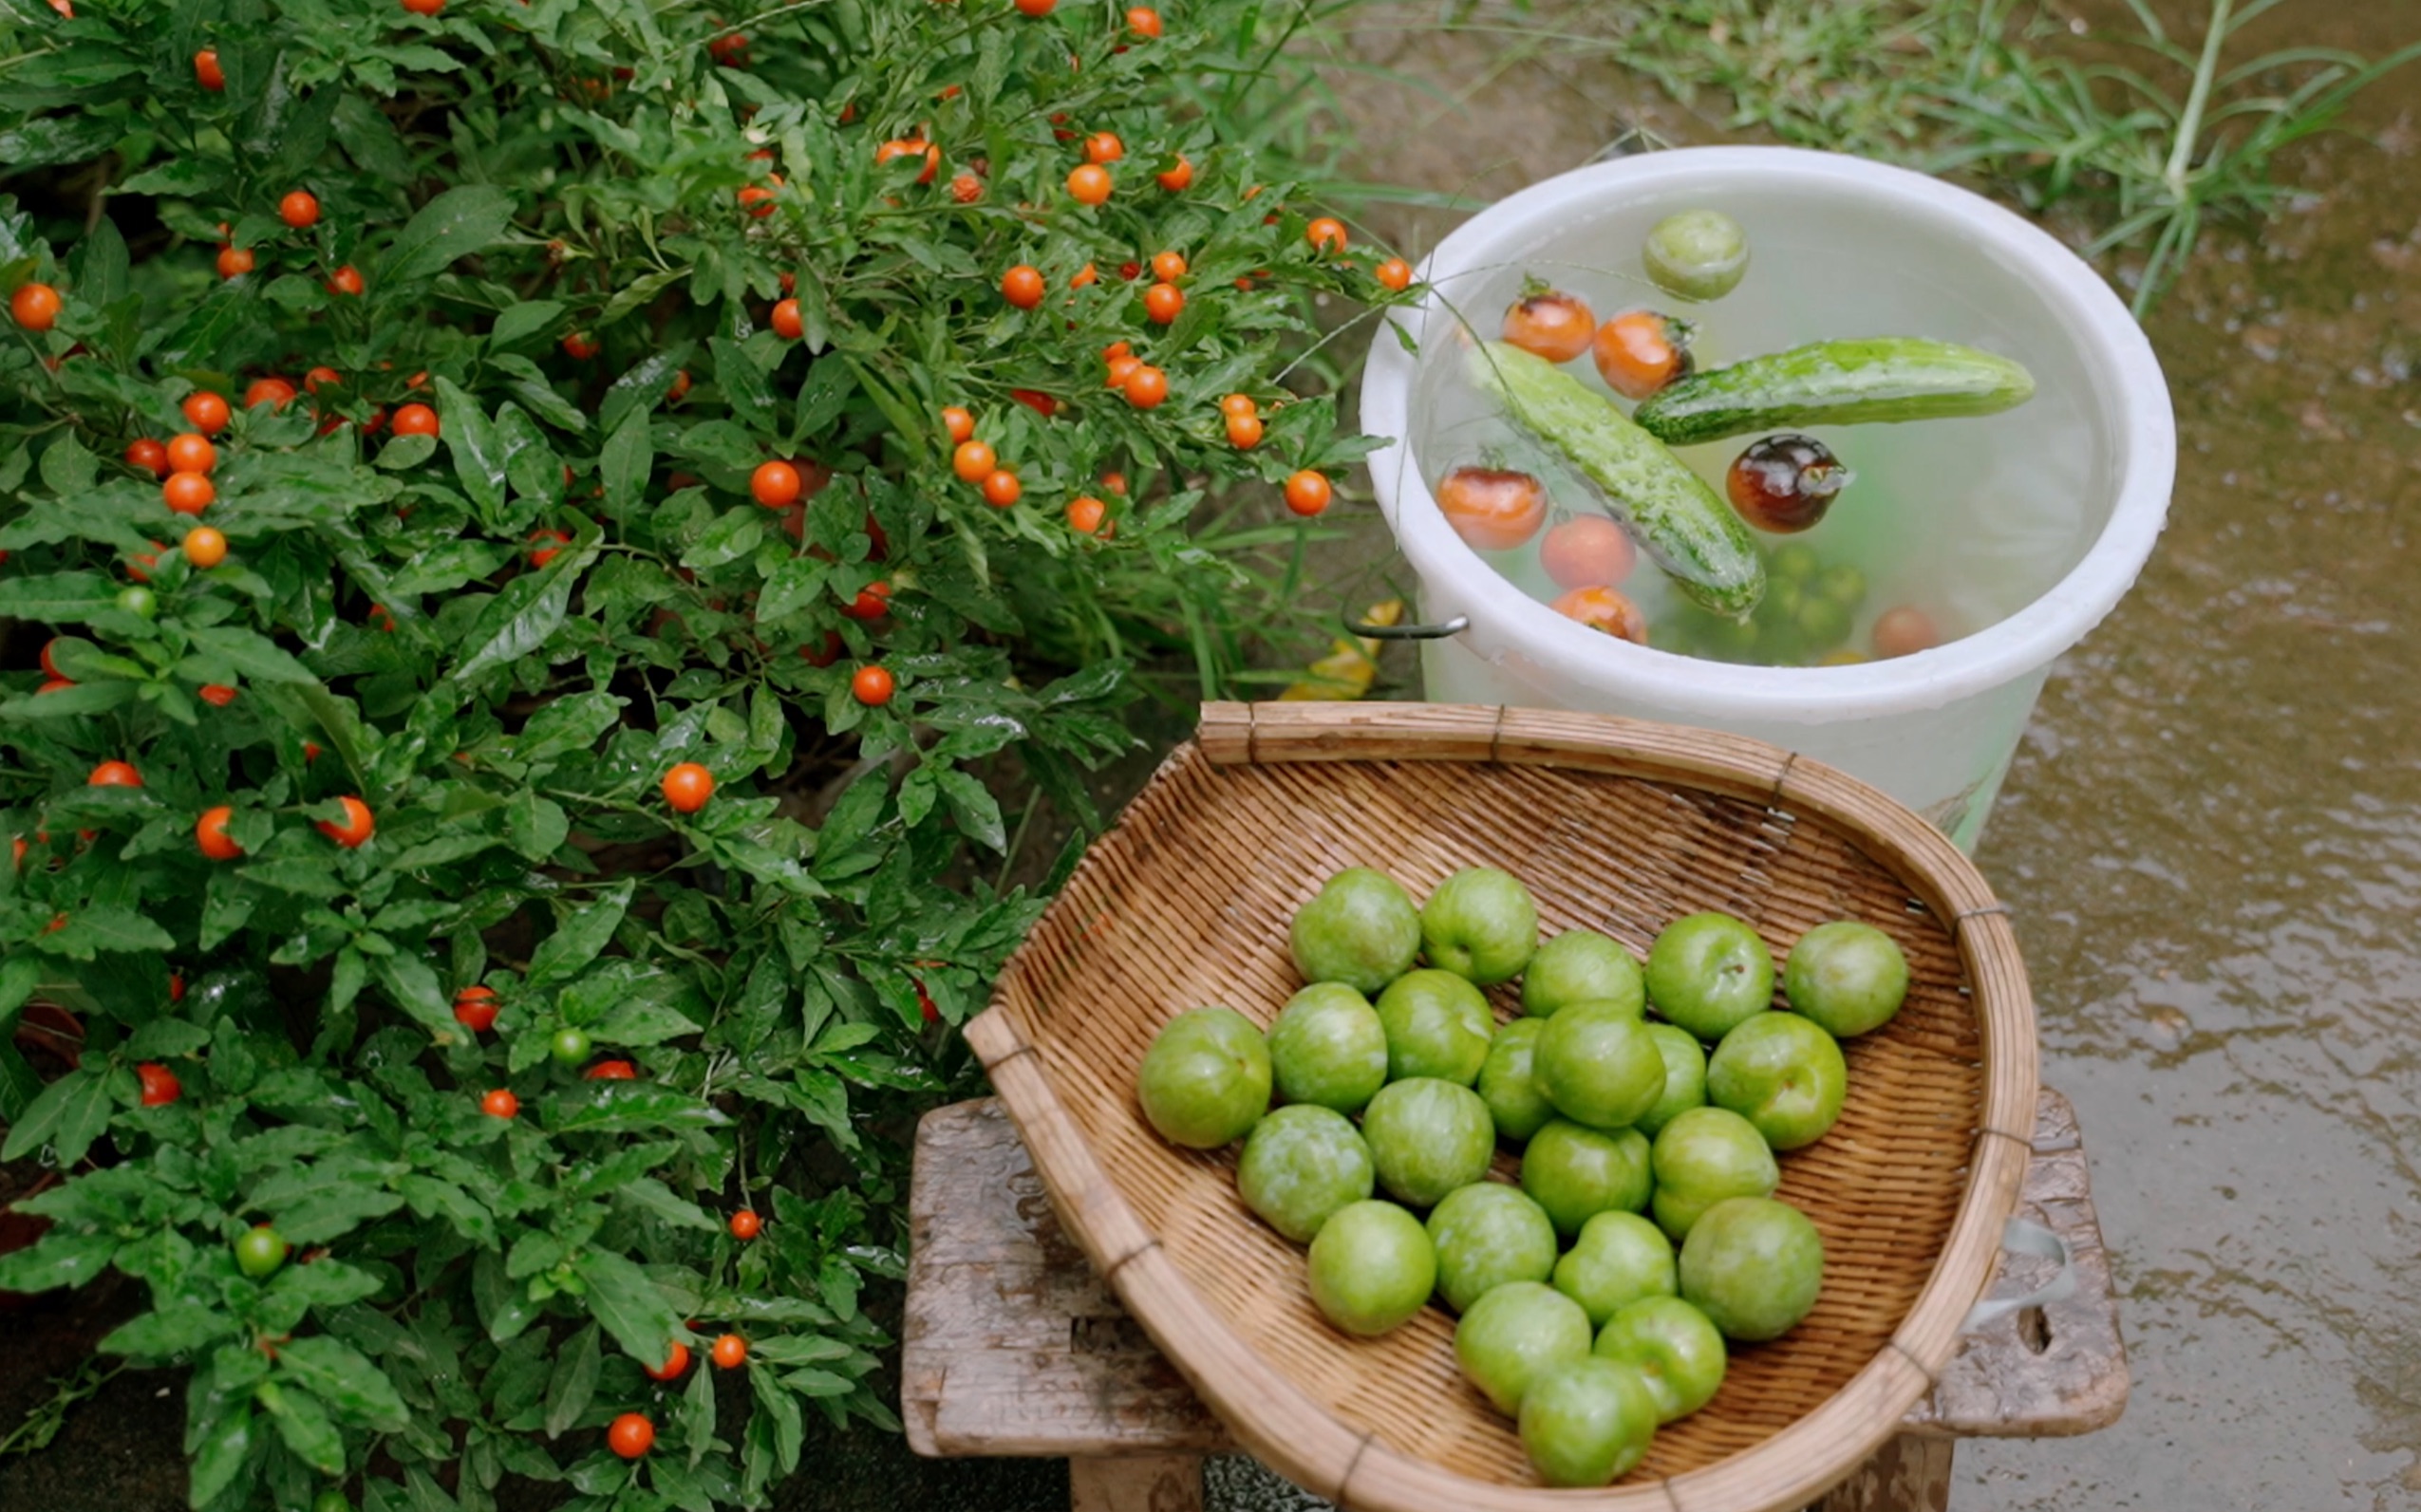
point(973, 461)
point(204, 547)
point(687, 787)
point(776, 485)
point(34, 306)
point(960, 423)
point(207, 412)
point(1163, 303)
point(210, 834)
point(188, 492)
point(1307, 492)
point(500, 1104)
point(1023, 285)
point(235, 262)
point(1090, 184)
point(299, 209)
point(1001, 489)
point(1326, 234)
point(1103, 146)
point(148, 455)
point(416, 419)
point(1146, 387)
point(873, 686)
point(356, 827)
point(745, 1224)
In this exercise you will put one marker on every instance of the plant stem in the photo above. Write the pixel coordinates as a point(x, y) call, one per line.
point(2189, 125)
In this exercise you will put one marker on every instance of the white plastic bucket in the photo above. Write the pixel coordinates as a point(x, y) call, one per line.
point(1937, 729)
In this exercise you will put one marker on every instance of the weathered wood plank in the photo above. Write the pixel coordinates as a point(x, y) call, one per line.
point(1908, 1474)
point(1013, 1345)
point(1171, 1483)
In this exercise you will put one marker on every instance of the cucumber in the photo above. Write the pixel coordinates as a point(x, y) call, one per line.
point(1846, 383)
point(1684, 527)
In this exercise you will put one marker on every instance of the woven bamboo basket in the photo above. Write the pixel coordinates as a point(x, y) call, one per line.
point(1615, 825)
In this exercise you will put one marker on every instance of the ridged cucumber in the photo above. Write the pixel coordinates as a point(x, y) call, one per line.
point(1685, 528)
point(1843, 382)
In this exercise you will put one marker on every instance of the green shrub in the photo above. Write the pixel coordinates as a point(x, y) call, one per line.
point(570, 221)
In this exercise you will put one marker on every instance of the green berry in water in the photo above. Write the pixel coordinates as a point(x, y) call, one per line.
point(1697, 254)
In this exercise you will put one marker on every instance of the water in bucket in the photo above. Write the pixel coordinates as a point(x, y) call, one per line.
point(1947, 527)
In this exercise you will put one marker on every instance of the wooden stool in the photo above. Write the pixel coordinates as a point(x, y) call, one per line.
point(1015, 1347)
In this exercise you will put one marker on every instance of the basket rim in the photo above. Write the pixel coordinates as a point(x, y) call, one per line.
point(1279, 1421)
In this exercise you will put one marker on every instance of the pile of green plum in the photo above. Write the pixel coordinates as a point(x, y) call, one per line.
point(1595, 1298)
point(1804, 620)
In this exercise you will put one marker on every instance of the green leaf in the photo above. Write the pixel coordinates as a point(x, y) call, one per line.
point(821, 398)
point(644, 1107)
point(66, 467)
point(524, 617)
point(636, 1022)
point(631, 1306)
point(164, 1037)
point(445, 847)
point(973, 808)
point(637, 292)
point(574, 1380)
point(256, 656)
point(57, 598)
point(223, 1447)
point(744, 386)
point(333, 1214)
point(345, 1378)
point(62, 1258)
point(535, 827)
point(455, 224)
point(324, 1283)
point(527, 318)
point(182, 1329)
point(412, 985)
point(796, 583)
point(733, 535)
point(432, 1198)
point(304, 1427)
point(505, 1307)
point(578, 939)
point(654, 1197)
point(629, 454)
point(68, 1116)
point(574, 722)
point(479, 459)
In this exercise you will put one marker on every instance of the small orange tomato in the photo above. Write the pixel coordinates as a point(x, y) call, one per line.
point(217, 695)
point(1602, 609)
point(1587, 550)
point(1085, 514)
point(114, 775)
point(416, 419)
point(1116, 482)
point(1641, 351)
point(1545, 323)
point(1090, 183)
point(1167, 266)
point(204, 547)
point(872, 602)
point(1122, 367)
point(299, 209)
point(148, 455)
point(210, 834)
point(347, 281)
point(785, 319)
point(966, 188)
point(1163, 303)
point(960, 423)
point(1244, 431)
point(1492, 508)
point(1178, 179)
point(474, 1009)
point(676, 1359)
point(424, 8)
point(1034, 399)
point(776, 485)
point(207, 412)
point(34, 306)
point(1143, 21)
point(679, 389)
point(871, 685)
point(580, 347)
point(730, 1351)
point(235, 262)
point(1035, 7)
point(1103, 146)
point(745, 1224)
point(357, 826)
point(1239, 404)
point(1001, 489)
point(1146, 387)
point(540, 557)
point(910, 147)
point(612, 1071)
point(188, 492)
point(687, 787)
point(160, 1085)
point(630, 1435)
point(321, 378)
point(207, 73)
point(973, 461)
point(500, 1104)
point(273, 391)
point(191, 452)
point(1307, 492)
point(48, 665)
point(1905, 630)
point(756, 199)
point(1023, 285)
point(1395, 274)
point(1085, 277)
point(1326, 234)
point(1129, 270)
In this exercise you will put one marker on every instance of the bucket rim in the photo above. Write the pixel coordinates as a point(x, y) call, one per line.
point(2132, 392)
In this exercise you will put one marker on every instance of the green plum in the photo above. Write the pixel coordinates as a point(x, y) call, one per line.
point(1576, 1173)
point(1782, 1073)
point(1708, 972)
point(1685, 1077)
point(1371, 1268)
point(1517, 1333)
point(1588, 1423)
point(1206, 1079)
point(1677, 1352)
point(1301, 1163)
point(1328, 1047)
point(1599, 1065)
point(1509, 1083)
point(1361, 931)
point(1754, 1266)
point(1697, 253)
point(1703, 1156)
point(1480, 924)
point(1580, 965)
point(1486, 1235)
point(1437, 1025)
point(1618, 1258)
point(1427, 1137)
point(1849, 977)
